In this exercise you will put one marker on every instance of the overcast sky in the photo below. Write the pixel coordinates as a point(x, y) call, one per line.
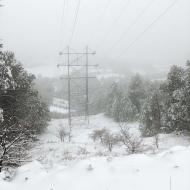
point(138, 35)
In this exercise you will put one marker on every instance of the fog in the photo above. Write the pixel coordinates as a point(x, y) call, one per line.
point(145, 36)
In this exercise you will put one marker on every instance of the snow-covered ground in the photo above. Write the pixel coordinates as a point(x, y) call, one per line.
point(101, 73)
point(58, 109)
point(60, 103)
point(82, 164)
point(59, 106)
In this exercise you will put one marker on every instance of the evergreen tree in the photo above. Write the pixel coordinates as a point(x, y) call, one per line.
point(137, 91)
point(119, 105)
point(175, 115)
point(151, 116)
point(114, 104)
point(128, 110)
point(187, 96)
point(24, 115)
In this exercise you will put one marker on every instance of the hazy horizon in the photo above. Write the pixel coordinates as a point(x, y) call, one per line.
point(144, 36)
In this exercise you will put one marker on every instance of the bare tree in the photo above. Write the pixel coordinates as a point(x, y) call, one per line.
point(132, 143)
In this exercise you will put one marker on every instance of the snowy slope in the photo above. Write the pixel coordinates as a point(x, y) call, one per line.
point(83, 164)
point(134, 172)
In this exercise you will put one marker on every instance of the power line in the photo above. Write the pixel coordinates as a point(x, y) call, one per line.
point(101, 15)
point(61, 24)
point(75, 20)
point(133, 23)
point(148, 27)
point(104, 11)
point(114, 23)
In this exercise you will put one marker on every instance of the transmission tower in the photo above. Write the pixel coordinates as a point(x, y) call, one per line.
point(73, 63)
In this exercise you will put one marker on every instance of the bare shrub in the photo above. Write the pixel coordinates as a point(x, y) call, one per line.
point(67, 155)
point(9, 174)
point(110, 140)
point(14, 145)
point(132, 143)
point(89, 167)
point(83, 150)
point(98, 134)
point(156, 140)
point(70, 133)
point(100, 153)
point(62, 133)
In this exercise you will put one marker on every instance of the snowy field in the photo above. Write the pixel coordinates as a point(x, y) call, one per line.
point(83, 164)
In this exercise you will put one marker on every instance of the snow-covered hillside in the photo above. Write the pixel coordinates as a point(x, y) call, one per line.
point(83, 164)
point(51, 151)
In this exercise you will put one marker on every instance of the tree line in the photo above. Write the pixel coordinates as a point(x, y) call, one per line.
point(159, 106)
point(167, 108)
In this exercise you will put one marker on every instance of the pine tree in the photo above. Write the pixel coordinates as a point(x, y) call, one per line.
point(187, 95)
point(175, 116)
point(23, 114)
point(119, 105)
point(137, 91)
point(151, 116)
point(128, 111)
point(113, 104)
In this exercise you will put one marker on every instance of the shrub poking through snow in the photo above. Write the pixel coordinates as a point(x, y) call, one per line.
point(83, 150)
point(132, 143)
point(89, 167)
point(8, 174)
point(110, 140)
point(98, 134)
point(62, 133)
point(156, 140)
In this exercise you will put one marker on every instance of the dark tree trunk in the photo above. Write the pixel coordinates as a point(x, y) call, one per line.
point(1, 165)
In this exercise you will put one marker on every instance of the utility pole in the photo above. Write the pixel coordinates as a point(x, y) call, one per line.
point(87, 101)
point(69, 86)
point(74, 63)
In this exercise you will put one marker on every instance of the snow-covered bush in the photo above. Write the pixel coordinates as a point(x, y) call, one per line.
point(62, 133)
point(132, 143)
point(83, 151)
point(106, 138)
point(98, 134)
point(110, 140)
point(89, 167)
point(8, 174)
point(156, 140)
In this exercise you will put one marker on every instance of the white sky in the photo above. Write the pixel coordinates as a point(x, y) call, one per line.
point(36, 31)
